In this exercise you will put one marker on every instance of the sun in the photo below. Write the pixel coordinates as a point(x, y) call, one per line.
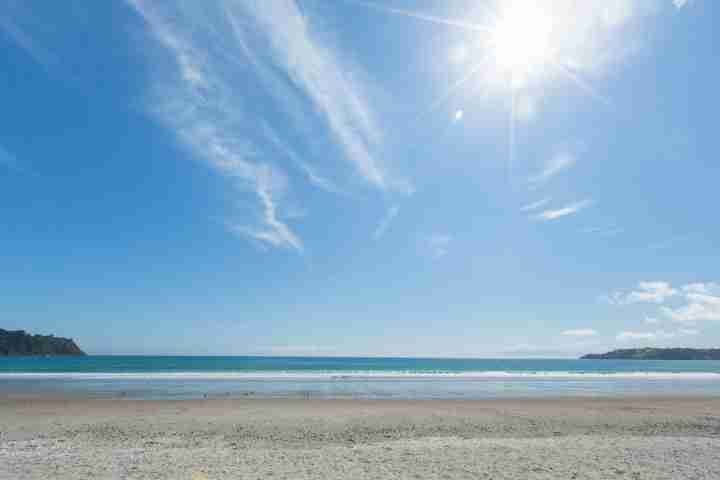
point(520, 40)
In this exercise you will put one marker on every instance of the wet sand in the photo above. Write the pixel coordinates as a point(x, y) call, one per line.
point(638, 438)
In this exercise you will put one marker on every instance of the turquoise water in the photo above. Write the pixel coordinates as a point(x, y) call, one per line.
point(331, 377)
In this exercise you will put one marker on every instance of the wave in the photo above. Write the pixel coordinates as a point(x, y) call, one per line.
point(361, 375)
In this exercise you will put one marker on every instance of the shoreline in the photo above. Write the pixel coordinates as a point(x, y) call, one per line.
point(657, 437)
point(9, 398)
point(366, 375)
point(360, 391)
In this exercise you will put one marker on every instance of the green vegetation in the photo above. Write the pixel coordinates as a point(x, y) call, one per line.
point(18, 342)
point(657, 354)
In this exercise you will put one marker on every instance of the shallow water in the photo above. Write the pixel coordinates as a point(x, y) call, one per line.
point(331, 377)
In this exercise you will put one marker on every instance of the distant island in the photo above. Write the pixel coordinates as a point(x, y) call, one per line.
point(19, 343)
point(657, 354)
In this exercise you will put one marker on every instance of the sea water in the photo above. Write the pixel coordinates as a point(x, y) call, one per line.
point(165, 377)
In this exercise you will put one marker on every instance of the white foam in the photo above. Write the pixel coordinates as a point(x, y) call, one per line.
point(362, 375)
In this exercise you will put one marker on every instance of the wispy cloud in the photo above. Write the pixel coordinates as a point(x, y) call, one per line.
point(558, 163)
point(710, 288)
point(390, 215)
point(580, 332)
point(204, 109)
point(571, 209)
point(10, 14)
point(316, 71)
point(275, 232)
point(626, 336)
point(318, 180)
point(310, 172)
point(649, 292)
point(535, 205)
point(699, 307)
point(215, 116)
point(680, 3)
point(688, 331)
point(690, 303)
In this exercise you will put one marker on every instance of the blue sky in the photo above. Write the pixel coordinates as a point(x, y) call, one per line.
point(455, 178)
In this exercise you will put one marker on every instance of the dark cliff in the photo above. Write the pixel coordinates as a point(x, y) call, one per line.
point(657, 354)
point(18, 342)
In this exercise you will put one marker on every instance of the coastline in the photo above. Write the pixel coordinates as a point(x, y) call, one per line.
point(639, 437)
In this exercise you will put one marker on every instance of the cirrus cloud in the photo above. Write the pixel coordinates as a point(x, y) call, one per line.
point(285, 68)
point(554, 166)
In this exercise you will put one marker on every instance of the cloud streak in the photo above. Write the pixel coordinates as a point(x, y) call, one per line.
point(535, 205)
point(272, 48)
point(626, 336)
point(647, 292)
point(200, 104)
point(554, 166)
point(310, 172)
point(276, 233)
point(573, 208)
point(315, 70)
point(390, 215)
point(699, 307)
point(693, 302)
point(11, 25)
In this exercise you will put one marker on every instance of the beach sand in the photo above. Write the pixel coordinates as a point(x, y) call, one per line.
point(639, 438)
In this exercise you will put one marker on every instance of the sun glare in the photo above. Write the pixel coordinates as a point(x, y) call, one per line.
point(521, 37)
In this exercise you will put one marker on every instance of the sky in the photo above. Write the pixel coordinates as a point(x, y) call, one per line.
point(342, 177)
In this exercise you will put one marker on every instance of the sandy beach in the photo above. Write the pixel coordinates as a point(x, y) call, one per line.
point(639, 438)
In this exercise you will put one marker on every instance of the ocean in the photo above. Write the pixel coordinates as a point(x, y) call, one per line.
point(166, 377)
